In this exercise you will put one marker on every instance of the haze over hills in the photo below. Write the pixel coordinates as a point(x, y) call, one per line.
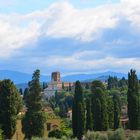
point(19, 77)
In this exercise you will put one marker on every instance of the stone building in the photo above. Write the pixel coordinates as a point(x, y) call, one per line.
point(56, 85)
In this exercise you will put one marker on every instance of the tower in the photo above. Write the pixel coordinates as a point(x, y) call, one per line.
point(55, 77)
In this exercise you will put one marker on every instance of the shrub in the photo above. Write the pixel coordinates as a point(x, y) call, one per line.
point(1, 135)
point(116, 135)
point(56, 133)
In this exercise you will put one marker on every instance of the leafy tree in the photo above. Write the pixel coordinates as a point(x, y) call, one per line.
point(133, 97)
point(33, 122)
point(10, 105)
point(78, 112)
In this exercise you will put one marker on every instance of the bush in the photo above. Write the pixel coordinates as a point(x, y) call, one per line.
point(116, 135)
point(1, 136)
point(56, 133)
point(135, 137)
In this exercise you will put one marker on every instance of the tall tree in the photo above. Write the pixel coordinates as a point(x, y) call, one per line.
point(117, 111)
point(97, 115)
point(78, 112)
point(26, 92)
point(10, 105)
point(98, 92)
point(133, 97)
point(21, 91)
point(89, 118)
point(110, 110)
point(33, 122)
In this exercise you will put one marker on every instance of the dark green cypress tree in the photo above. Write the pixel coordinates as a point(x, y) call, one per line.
point(89, 118)
point(20, 91)
point(133, 97)
point(110, 110)
point(97, 115)
point(10, 105)
point(26, 92)
point(33, 122)
point(117, 111)
point(78, 112)
point(98, 92)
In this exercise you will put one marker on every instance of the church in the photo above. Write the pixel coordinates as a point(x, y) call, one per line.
point(56, 85)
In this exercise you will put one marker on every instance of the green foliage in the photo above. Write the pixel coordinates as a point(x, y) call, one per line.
point(112, 82)
point(133, 97)
point(99, 106)
point(66, 127)
point(117, 111)
point(110, 110)
point(89, 118)
point(33, 122)
point(10, 105)
point(1, 135)
point(78, 112)
point(116, 135)
point(56, 133)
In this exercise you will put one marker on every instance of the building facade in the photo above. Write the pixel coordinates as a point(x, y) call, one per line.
point(56, 85)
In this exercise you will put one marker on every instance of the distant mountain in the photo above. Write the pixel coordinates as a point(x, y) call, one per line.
point(21, 79)
point(95, 76)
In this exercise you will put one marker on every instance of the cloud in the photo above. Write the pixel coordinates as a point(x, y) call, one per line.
point(76, 63)
point(103, 37)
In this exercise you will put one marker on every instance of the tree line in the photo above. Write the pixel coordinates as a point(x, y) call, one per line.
point(100, 111)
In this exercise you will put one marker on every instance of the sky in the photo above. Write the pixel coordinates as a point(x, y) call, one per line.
point(70, 36)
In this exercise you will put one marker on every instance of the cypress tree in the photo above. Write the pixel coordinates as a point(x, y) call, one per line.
point(98, 116)
point(117, 111)
point(10, 105)
point(110, 110)
point(78, 112)
point(98, 92)
point(89, 118)
point(33, 122)
point(133, 97)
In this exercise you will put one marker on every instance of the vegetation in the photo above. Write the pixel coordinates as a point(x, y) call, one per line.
point(98, 110)
point(133, 101)
point(10, 105)
point(78, 112)
point(34, 119)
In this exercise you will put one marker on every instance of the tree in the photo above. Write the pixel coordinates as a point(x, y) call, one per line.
point(112, 82)
point(33, 122)
point(78, 112)
point(98, 116)
point(10, 105)
point(117, 111)
point(99, 96)
point(110, 110)
point(133, 97)
point(20, 91)
point(26, 92)
point(89, 118)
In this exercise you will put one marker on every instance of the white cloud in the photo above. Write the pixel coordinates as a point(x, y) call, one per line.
point(62, 19)
point(78, 62)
